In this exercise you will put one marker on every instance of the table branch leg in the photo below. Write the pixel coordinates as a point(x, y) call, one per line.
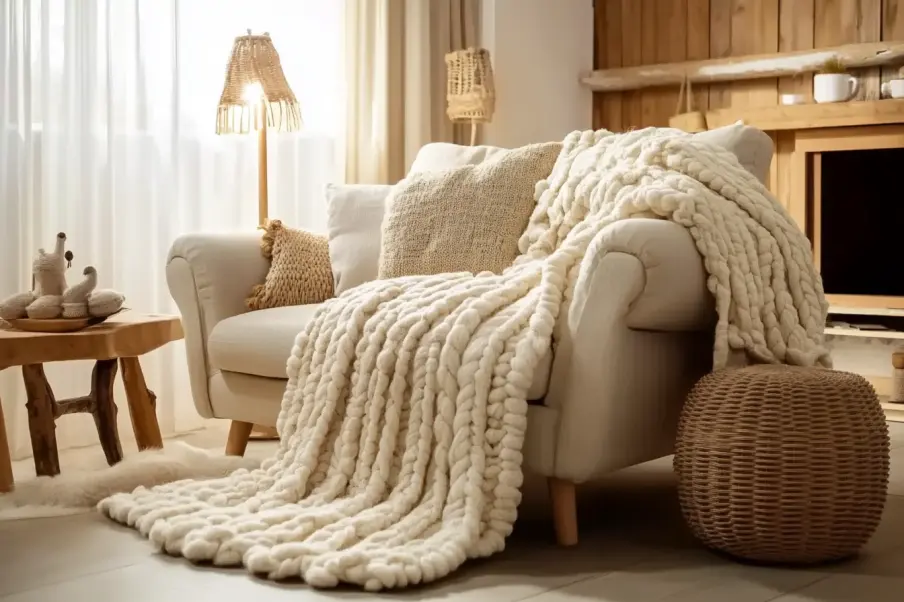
point(41, 420)
point(6, 466)
point(142, 404)
point(104, 409)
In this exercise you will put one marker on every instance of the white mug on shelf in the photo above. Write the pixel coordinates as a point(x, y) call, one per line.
point(834, 87)
point(893, 88)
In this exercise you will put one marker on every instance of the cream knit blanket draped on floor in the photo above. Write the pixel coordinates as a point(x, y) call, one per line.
point(403, 420)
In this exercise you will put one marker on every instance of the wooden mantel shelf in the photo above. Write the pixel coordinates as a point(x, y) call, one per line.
point(810, 116)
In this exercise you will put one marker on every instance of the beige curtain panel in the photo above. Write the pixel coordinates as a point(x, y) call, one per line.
point(396, 76)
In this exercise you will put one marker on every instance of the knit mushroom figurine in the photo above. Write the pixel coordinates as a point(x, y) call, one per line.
point(75, 298)
point(48, 283)
point(50, 297)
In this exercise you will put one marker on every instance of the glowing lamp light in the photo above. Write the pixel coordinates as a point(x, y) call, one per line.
point(253, 93)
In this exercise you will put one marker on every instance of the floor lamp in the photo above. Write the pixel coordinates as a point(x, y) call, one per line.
point(470, 89)
point(257, 97)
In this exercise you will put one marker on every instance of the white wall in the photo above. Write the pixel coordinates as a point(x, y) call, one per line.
point(539, 49)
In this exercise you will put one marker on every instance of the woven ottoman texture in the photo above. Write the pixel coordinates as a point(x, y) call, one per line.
point(783, 464)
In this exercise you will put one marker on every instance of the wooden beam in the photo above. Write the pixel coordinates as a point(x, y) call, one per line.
point(756, 66)
point(795, 32)
point(892, 29)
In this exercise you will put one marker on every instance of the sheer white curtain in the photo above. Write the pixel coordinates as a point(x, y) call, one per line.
point(396, 70)
point(107, 110)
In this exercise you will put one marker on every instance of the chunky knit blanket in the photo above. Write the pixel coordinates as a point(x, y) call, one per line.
point(403, 420)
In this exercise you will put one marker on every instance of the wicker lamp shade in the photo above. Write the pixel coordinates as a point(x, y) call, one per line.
point(255, 62)
point(783, 464)
point(470, 91)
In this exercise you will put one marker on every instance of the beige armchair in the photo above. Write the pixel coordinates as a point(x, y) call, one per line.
point(607, 396)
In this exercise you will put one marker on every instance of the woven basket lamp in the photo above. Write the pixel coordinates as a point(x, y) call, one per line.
point(256, 96)
point(783, 464)
point(470, 91)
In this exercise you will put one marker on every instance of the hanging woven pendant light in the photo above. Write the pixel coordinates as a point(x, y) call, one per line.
point(470, 90)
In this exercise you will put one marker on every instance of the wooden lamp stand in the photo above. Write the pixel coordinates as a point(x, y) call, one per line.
point(262, 202)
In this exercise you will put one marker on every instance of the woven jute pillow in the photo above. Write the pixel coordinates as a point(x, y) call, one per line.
point(466, 219)
point(300, 272)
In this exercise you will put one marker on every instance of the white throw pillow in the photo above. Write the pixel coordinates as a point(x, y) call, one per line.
point(354, 216)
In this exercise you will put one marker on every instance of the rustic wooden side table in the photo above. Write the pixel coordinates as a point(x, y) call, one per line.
point(121, 338)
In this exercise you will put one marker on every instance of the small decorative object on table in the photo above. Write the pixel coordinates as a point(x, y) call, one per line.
point(52, 305)
point(833, 83)
point(119, 340)
point(783, 464)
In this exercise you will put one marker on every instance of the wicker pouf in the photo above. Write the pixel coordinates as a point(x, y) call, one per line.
point(783, 464)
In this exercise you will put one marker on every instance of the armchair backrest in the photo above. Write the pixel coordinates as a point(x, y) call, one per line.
point(752, 146)
point(355, 212)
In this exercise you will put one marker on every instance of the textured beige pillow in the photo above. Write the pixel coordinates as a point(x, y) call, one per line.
point(300, 272)
point(466, 219)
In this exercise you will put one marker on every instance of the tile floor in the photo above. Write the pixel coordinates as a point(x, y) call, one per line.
point(634, 548)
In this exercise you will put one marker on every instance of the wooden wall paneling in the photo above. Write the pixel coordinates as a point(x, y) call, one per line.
point(868, 19)
point(631, 33)
point(599, 59)
point(649, 54)
point(796, 33)
point(745, 39)
point(612, 103)
point(632, 55)
point(754, 29)
point(720, 47)
point(698, 45)
point(892, 29)
point(672, 30)
point(649, 98)
point(663, 40)
point(846, 22)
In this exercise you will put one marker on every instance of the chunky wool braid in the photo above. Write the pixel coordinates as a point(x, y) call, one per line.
point(404, 415)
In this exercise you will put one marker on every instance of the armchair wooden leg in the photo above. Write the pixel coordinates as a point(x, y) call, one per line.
point(564, 511)
point(239, 432)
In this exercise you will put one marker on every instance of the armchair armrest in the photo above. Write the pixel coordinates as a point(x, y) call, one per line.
point(209, 276)
point(673, 296)
point(636, 336)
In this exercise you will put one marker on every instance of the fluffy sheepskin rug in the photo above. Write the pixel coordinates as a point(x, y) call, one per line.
point(74, 492)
